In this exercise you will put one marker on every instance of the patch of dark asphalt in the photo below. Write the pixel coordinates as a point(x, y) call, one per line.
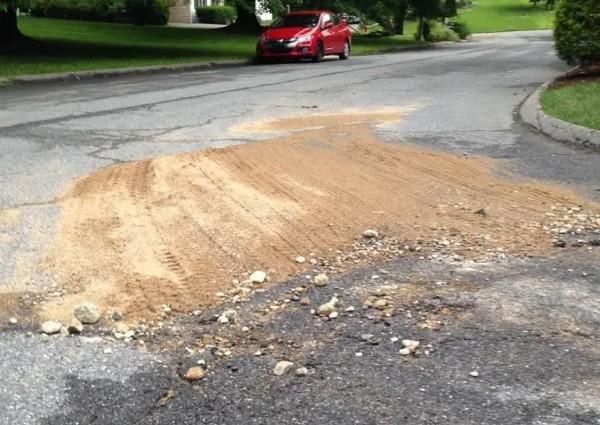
point(529, 327)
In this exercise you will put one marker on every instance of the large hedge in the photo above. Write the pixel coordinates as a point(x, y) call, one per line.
point(148, 12)
point(216, 14)
point(577, 32)
point(87, 10)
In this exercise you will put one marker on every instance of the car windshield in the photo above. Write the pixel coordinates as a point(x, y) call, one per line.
point(295, 21)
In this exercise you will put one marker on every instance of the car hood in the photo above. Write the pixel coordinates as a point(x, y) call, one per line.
point(287, 33)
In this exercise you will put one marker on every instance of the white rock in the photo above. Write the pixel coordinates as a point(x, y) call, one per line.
point(87, 313)
point(300, 259)
point(474, 374)
point(283, 367)
point(404, 351)
point(227, 316)
point(13, 321)
point(51, 327)
point(258, 277)
point(371, 234)
point(410, 344)
point(321, 280)
point(333, 315)
point(301, 371)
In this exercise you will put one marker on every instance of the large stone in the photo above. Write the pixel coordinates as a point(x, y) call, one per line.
point(195, 373)
point(371, 234)
point(328, 308)
point(258, 277)
point(51, 327)
point(283, 367)
point(87, 313)
point(321, 280)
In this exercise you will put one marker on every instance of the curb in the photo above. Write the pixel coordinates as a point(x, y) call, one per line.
point(531, 113)
point(159, 69)
point(106, 73)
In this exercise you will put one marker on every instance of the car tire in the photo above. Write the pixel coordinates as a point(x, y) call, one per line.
point(320, 53)
point(346, 53)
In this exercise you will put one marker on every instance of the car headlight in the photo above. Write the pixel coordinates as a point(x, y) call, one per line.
point(305, 38)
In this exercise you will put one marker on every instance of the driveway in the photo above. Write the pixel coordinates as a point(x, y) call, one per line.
point(505, 310)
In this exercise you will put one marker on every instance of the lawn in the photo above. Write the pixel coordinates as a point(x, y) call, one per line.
point(507, 15)
point(76, 45)
point(578, 103)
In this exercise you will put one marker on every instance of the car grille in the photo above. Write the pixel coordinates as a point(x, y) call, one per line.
point(279, 46)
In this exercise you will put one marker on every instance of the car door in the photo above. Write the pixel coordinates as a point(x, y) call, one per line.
point(328, 34)
point(339, 33)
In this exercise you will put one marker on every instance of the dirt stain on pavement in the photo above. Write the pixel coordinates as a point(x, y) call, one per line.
point(176, 229)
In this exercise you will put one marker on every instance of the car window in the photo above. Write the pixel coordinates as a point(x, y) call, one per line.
point(296, 21)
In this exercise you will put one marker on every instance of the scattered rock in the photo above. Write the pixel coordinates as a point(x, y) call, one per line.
point(380, 304)
point(166, 397)
point(283, 367)
point(305, 301)
point(329, 307)
point(51, 327)
point(227, 316)
point(321, 280)
point(301, 371)
point(474, 374)
point(117, 315)
point(404, 351)
point(371, 234)
point(13, 321)
point(410, 344)
point(87, 313)
point(195, 373)
point(75, 327)
point(300, 259)
point(481, 211)
point(44, 338)
point(258, 277)
point(333, 315)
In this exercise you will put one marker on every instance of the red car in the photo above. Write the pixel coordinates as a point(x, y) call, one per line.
point(305, 35)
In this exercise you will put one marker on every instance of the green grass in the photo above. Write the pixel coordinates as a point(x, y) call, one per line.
point(579, 104)
point(507, 15)
point(76, 45)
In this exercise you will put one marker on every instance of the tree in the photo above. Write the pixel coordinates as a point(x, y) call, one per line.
point(426, 9)
point(9, 30)
point(577, 31)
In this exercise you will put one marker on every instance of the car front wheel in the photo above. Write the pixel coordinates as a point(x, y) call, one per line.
point(346, 53)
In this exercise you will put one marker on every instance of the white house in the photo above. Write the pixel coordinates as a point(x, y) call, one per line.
point(184, 11)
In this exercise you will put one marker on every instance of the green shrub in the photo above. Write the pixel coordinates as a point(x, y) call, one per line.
point(437, 31)
point(216, 14)
point(86, 10)
point(460, 28)
point(148, 12)
point(577, 31)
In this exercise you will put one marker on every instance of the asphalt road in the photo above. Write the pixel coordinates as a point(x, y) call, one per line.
point(528, 326)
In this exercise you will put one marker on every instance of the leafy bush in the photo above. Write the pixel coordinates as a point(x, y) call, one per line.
point(148, 12)
point(86, 10)
point(577, 31)
point(460, 28)
point(216, 14)
point(437, 31)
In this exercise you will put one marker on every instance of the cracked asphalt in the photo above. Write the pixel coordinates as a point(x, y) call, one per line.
point(529, 326)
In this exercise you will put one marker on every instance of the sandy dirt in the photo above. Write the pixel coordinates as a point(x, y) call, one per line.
point(175, 230)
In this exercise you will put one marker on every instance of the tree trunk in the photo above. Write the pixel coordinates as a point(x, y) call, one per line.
point(421, 19)
point(399, 18)
point(9, 31)
point(246, 22)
